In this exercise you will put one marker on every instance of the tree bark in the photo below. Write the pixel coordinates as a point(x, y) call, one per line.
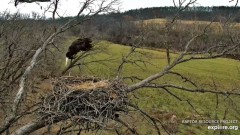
point(29, 1)
point(34, 126)
point(29, 128)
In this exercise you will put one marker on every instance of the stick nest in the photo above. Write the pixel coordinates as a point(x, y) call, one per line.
point(84, 100)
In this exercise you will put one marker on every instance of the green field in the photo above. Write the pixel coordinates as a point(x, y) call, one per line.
point(224, 73)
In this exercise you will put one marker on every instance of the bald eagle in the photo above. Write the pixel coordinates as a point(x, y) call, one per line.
point(81, 44)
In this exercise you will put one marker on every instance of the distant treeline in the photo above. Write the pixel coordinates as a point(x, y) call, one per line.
point(216, 14)
point(121, 27)
point(190, 13)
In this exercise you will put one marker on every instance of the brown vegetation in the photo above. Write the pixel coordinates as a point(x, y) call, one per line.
point(89, 105)
point(29, 54)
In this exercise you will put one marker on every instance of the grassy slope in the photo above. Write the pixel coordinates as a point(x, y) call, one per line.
point(224, 72)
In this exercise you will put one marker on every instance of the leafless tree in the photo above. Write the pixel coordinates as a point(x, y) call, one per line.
point(86, 6)
point(63, 96)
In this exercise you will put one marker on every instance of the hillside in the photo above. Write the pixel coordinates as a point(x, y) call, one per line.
point(215, 13)
point(162, 105)
point(155, 70)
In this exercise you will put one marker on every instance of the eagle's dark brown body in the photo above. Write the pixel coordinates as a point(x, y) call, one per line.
point(77, 46)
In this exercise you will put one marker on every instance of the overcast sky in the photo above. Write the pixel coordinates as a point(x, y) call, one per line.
point(69, 7)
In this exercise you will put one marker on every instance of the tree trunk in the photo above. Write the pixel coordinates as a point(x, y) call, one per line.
point(168, 55)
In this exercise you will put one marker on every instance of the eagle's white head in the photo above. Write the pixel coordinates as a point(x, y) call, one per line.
point(66, 63)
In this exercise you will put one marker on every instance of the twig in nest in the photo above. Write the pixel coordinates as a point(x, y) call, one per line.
point(89, 102)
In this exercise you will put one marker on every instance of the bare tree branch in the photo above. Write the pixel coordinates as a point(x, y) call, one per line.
point(165, 70)
point(199, 90)
point(105, 6)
